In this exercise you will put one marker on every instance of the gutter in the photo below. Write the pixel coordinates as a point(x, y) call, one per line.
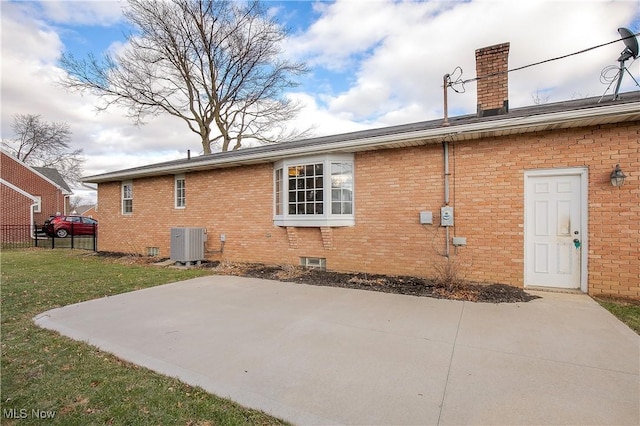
point(519, 124)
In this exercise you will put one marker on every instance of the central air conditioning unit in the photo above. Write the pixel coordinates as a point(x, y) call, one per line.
point(187, 244)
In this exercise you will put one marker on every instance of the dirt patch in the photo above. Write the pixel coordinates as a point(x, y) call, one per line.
point(474, 292)
point(126, 258)
point(413, 286)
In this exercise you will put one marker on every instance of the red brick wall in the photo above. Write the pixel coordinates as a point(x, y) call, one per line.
point(492, 64)
point(490, 181)
point(15, 208)
point(53, 199)
point(391, 188)
point(92, 212)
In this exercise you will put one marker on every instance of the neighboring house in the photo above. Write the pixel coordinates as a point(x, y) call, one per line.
point(526, 195)
point(30, 194)
point(16, 208)
point(89, 210)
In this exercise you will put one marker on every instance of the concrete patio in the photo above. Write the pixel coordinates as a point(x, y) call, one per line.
point(322, 355)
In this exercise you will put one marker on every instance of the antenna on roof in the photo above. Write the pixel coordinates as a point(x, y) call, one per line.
point(630, 51)
point(446, 83)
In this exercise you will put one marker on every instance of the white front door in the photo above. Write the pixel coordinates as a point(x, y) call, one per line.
point(553, 229)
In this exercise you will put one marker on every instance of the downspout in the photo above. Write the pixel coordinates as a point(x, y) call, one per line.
point(32, 225)
point(445, 146)
point(65, 203)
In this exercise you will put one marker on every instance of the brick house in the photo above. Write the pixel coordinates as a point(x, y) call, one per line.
point(520, 196)
point(89, 210)
point(30, 194)
point(17, 205)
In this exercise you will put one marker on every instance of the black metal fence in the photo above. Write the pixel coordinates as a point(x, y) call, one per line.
point(24, 236)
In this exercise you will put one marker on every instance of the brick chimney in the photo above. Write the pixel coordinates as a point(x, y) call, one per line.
point(492, 64)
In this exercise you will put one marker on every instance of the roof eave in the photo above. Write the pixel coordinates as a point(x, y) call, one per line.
point(33, 170)
point(506, 125)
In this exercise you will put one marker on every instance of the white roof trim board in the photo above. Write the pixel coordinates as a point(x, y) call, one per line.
point(539, 118)
point(18, 190)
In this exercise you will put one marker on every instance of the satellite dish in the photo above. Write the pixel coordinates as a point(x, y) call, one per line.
point(630, 51)
point(631, 43)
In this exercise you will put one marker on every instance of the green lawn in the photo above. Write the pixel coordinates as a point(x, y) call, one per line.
point(45, 374)
point(627, 311)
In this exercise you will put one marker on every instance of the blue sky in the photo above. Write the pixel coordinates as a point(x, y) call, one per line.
point(373, 63)
point(86, 38)
point(80, 40)
point(296, 16)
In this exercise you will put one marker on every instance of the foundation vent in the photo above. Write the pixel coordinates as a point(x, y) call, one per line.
point(153, 251)
point(319, 263)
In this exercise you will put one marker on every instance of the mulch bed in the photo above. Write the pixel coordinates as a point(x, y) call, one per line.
point(467, 291)
point(473, 292)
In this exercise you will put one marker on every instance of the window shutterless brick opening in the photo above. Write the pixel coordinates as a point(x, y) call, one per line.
point(319, 263)
point(153, 251)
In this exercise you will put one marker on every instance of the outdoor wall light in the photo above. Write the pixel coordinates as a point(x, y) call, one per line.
point(617, 177)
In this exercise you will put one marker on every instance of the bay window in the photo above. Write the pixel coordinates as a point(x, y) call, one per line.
point(314, 191)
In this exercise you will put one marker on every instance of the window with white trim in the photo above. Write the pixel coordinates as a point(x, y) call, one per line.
point(342, 188)
point(37, 208)
point(127, 197)
point(180, 192)
point(314, 191)
point(278, 196)
point(306, 189)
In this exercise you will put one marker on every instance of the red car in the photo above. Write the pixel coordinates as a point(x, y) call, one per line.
point(61, 226)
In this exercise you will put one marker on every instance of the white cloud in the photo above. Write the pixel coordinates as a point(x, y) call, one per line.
point(350, 31)
point(321, 120)
point(83, 12)
point(406, 47)
point(344, 29)
point(390, 56)
point(24, 37)
point(30, 77)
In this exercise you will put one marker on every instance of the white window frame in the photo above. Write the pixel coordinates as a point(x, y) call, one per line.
point(126, 197)
point(37, 208)
point(176, 192)
point(281, 214)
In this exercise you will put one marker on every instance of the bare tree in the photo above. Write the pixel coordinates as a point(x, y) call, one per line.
point(217, 65)
point(45, 144)
point(539, 98)
point(77, 201)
